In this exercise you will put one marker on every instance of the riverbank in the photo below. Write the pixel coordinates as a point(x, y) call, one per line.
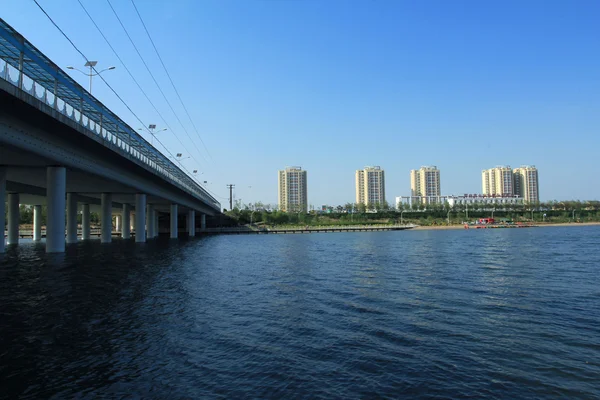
point(461, 226)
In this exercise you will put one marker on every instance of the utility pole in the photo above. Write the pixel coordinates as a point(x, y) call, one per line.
point(230, 186)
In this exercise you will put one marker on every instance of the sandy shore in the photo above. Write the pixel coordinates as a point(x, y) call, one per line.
point(446, 227)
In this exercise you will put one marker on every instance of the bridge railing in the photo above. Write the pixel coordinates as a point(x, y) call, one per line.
point(24, 66)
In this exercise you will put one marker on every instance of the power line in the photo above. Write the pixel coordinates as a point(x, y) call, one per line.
point(130, 75)
point(101, 77)
point(171, 80)
point(87, 60)
point(154, 79)
point(146, 96)
point(230, 186)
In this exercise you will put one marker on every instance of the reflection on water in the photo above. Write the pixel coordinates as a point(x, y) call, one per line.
point(473, 313)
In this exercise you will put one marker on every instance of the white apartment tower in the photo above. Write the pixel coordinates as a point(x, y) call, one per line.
point(370, 186)
point(292, 190)
point(425, 182)
point(497, 181)
point(526, 183)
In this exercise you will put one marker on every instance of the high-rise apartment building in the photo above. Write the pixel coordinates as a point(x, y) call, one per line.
point(497, 181)
point(526, 183)
point(370, 186)
point(425, 182)
point(292, 190)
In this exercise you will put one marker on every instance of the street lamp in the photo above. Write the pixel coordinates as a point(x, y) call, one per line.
point(91, 65)
point(153, 132)
point(179, 159)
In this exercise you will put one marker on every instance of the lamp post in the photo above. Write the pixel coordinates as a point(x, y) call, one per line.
point(448, 217)
point(195, 172)
point(179, 159)
point(153, 132)
point(91, 74)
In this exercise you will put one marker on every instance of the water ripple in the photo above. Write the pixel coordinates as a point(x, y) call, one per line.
point(438, 314)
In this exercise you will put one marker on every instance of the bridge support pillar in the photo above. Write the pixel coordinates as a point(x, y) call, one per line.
point(117, 223)
point(85, 222)
point(150, 219)
point(140, 218)
point(56, 182)
point(13, 218)
point(106, 218)
point(156, 227)
point(2, 206)
point(132, 222)
point(173, 221)
point(126, 226)
point(191, 225)
point(71, 218)
point(37, 223)
point(202, 221)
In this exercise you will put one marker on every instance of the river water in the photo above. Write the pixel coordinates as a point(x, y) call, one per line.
point(507, 313)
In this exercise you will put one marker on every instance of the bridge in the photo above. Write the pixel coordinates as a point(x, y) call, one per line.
point(60, 147)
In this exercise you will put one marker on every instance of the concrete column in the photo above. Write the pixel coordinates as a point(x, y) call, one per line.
point(56, 182)
point(140, 218)
point(13, 218)
point(126, 234)
point(202, 221)
point(191, 223)
point(150, 220)
point(173, 221)
point(85, 222)
point(106, 218)
point(117, 223)
point(37, 223)
point(156, 227)
point(2, 206)
point(132, 221)
point(71, 218)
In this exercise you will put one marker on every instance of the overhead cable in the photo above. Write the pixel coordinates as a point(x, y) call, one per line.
point(171, 80)
point(153, 78)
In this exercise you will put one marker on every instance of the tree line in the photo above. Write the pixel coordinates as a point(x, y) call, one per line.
point(422, 214)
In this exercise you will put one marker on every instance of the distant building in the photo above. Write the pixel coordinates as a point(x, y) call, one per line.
point(452, 200)
point(526, 183)
point(370, 186)
point(292, 190)
point(483, 199)
point(422, 200)
point(497, 181)
point(425, 182)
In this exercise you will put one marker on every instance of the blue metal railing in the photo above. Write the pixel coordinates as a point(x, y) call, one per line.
point(25, 67)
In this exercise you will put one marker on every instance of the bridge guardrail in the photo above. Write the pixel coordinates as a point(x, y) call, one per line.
point(27, 68)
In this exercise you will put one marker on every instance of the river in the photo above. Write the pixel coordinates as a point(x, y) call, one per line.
point(503, 313)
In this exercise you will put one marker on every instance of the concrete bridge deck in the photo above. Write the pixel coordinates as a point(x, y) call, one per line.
point(60, 147)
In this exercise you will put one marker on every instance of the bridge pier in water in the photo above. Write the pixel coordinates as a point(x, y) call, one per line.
point(173, 221)
point(126, 224)
point(191, 223)
point(106, 218)
point(13, 219)
point(56, 181)
point(71, 218)
point(150, 220)
point(202, 221)
point(37, 223)
point(85, 222)
point(140, 218)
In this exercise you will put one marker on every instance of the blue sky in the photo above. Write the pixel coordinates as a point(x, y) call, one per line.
point(332, 86)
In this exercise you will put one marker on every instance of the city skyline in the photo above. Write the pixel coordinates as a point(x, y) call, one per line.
point(465, 96)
